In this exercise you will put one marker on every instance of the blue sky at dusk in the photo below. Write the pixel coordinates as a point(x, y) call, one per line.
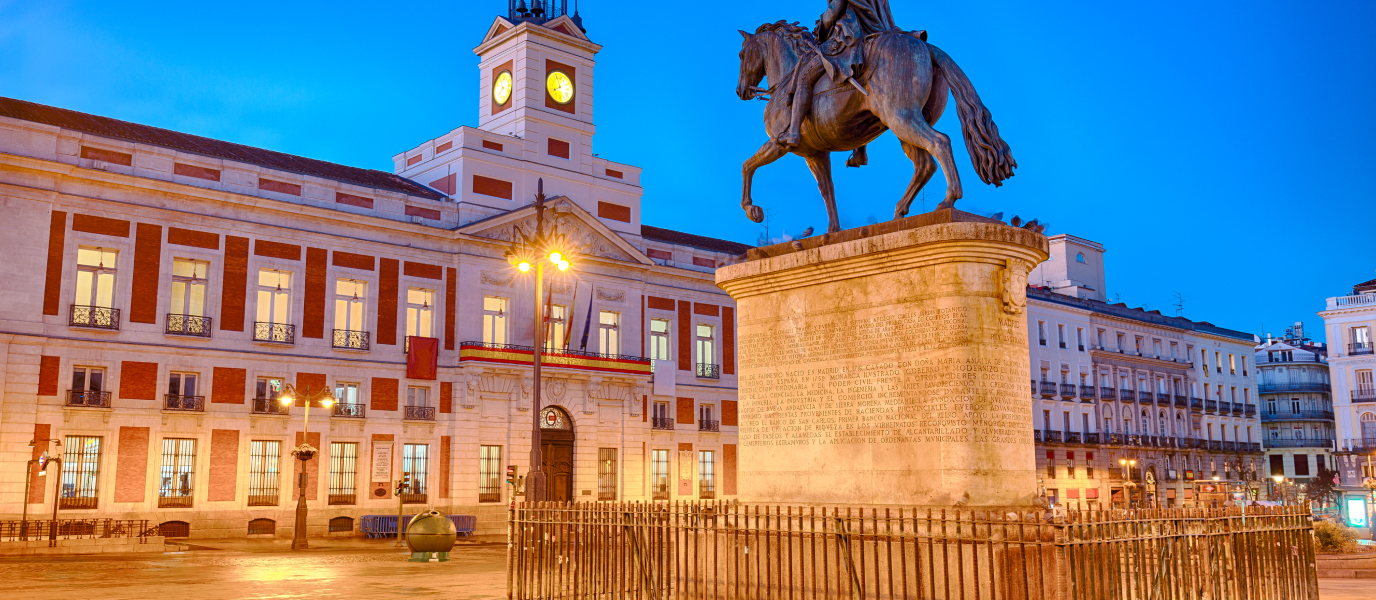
point(1222, 150)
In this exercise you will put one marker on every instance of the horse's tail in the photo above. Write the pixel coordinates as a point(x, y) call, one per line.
point(988, 152)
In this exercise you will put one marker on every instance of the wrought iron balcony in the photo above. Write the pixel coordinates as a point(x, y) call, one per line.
point(1216, 445)
point(353, 411)
point(1053, 436)
point(1073, 437)
point(1048, 388)
point(709, 371)
point(77, 502)
point(1127, 395)
point(1181, 401)
point(188, 325)
point(1300, 443)
point(510, 354)
point(88, 398)
point(183, 403)
point(1229, 446)
point(1210, 406)
point(1237, 409)
point(1067, 390)
point(708, 425)
point(1250, 410)
point(1224, 407)
point(1107, 393)
point(1364, 395)
point(180, 501)
point(269, 406)
point(1115, 439)
point(413, 498)
point(343, 499)
point(706, 490)
point(1092, 438)
point(1277, 358)
point(1359, 348)
point(262, 499)
point(1163, 398)
point(1366, 444)
point(1196, 405)
point(420, 413)
point(95, 317)
point(1062, 345)
point(345, 339)
point(1087, 392)
point(662, 423)
point(279, 333)
point(1037, 436)
point(1298, 386)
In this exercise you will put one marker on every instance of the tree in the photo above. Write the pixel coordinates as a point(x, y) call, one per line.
point(1320, 489)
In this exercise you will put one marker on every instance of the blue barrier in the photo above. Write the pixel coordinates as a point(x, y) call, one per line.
point(383, 526)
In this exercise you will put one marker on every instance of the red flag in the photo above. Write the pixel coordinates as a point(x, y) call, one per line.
point(422, 362)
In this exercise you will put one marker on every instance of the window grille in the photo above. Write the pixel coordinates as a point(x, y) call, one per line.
point(263, 476)
point(490, 474)
point(659, 474)
point(415, 460)
point(606, 473)
point(343, 469)
point(80, 472)
point(176, 481)
point(707, 485)
point(174, 529)
point(262, 527)
point(341, 524)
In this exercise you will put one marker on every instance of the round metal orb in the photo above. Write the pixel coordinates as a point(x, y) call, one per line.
point(431, 531)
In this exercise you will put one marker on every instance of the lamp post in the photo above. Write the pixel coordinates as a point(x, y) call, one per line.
point(1128, 463)
point(529, 251)
point(304, 452)
point(42, 462)
point(1370, 484)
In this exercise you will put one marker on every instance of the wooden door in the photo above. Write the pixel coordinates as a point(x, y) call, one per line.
point(557, 462)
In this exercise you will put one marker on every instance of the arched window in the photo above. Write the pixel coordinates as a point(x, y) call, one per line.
point(1080, 257)
point(262, 527)
point(175, 529)
point(553, 417)
point(339, 524)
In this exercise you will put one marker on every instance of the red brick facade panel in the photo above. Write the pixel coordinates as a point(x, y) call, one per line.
point(195, 171)
point(228, 386)
point(728, 472)
point(353, 261)
point(728, 412)
point(281, 187)
point(307, 384)
point(195, 239)
point(413, 160)
point(422, 270)
point(57, 244)
point(728, 340)
point(353, 200)
point(387, 302)
point(384, 395)
point(488, 186)
point(557, 148)
point(492, 145)
point(450, 299)
point(442, 148)
point(446, 397)
point(138, 380)
point(659, 254)
point(143, 301)
point(706, 310)
point(235, 287)
point(100, 225)
point(552, 66)
point(41, 431)
point(685, 335)
point(444, 466)
point(658, 303)
point(424, 213)
point(448, 184)
point(313, 307)
point(684, 409)
point(109, 156)
point(685, 446)
point(131, 464)
point(644, 408)
point(47, 375)
point(615, 212)
point(276, 250)
point(704, 262)
point(312, 467)
point(224, 464)
point(562, 29)
point(615, 174)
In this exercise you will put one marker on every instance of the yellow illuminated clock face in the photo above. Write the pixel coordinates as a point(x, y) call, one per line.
point(501, 88)
point(560, 87)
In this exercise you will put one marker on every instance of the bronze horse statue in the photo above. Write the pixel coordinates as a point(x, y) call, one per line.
point(905, 82)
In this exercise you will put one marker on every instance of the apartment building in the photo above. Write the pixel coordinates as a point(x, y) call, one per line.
point(1296, 406)
point(1349, 322)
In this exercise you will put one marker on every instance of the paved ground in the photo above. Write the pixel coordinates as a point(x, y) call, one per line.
point(268, 569)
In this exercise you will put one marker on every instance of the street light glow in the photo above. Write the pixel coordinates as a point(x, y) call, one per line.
point(563, 265)
point(286, 399)
point(556, 257)
point(523, 266)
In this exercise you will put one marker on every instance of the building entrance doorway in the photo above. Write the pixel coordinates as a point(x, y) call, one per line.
point(556, 453)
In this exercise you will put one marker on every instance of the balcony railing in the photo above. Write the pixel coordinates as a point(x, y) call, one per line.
point(1037, 436)
point(1163, 399)
point(1067, 390)
point(1250, 410)
point(262, 499)
point(1347, 301)
point(1229, 446)
point(662, 423)
point(1048, 388)
point(1196, 404)
point(1296, 386)
point(188, 325)
point(1361, 444)
point(279, 333)
point(1311, 358)
point(77, 502)
point(1224, 407)
point(1237, 409)
point(353, 411)
point(269, 406)
point(1107, 393)
point(1359, 348)
point(183, 403)
point(1182, 401)
point(413, 498)
point(1052, 436)
point(183, 501)
point(706, 491)
point(1364, 395)
point(1087, 392)
point(1127, 395)
point(1303, 443)
point(570, 359)
point(88, 398)
point(709, 371)
point(1216, 445)
point(343, 499)
point(1114, 439)
point(1210, 406)
point(95, 317)
point(1073, 437)
point(420, 413)
point(351, 340)
point(708, 425)
point(1092, 438)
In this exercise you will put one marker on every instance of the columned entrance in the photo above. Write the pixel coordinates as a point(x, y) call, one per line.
point(556, 453)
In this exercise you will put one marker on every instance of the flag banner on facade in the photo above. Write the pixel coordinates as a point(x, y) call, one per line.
point(422, 361)
point(573, 359)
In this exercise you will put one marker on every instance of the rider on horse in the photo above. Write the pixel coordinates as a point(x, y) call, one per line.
point(840, 34)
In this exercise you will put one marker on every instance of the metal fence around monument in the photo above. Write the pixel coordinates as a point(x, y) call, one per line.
point(712, 550)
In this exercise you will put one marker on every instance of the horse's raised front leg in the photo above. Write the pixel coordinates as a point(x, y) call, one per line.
point(911, 128)
point(820, 163)
point(767, 153)
point(923, 169)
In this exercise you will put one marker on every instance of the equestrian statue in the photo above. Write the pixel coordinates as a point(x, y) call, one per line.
point(856, 75)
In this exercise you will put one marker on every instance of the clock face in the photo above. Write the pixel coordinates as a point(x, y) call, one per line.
point(560, 87)
point(501, 88)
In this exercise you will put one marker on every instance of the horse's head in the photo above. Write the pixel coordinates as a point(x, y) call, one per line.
point(753, 65)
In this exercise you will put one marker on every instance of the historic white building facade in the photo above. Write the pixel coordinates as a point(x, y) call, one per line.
point(1175, 397)
point(162, 289)
point(1296, 408)
point(1349, 322)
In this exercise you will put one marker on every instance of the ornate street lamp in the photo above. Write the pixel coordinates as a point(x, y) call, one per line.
point(1128, 463)
point(529, 250)
point(303, 453)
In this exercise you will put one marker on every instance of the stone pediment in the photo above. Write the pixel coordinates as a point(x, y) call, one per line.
point(586, 235)
point(499, 26)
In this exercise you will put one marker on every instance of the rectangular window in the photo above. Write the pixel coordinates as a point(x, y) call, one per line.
point(80, 471)
point(609, 332)
point(1204, 363)
point(1360, 335)
point(188, 287)
point(417, 396)
point(659, 474)
point(263, 475)
point(706, 346)
point(707, 483)
point(557, 329)
point(346, 395)
point(1232, 364)
point(176, 478)
point(420, 313)
point(343, 471)
point(1060, 335)
point(1041, 333)
point(1089, 465)
point(1080, 337)
point(606, 473)
point(1050, 465)
point(1218, 361)
point(490, 474)
point(1365, 382)
point(274, 296)
point(659, 340)
point(88, 379)
point(415, 460)
point(95, 277)
point(494, 320)
point(350, 305)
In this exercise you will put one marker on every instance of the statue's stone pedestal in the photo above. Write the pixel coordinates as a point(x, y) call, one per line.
point(888, 365)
